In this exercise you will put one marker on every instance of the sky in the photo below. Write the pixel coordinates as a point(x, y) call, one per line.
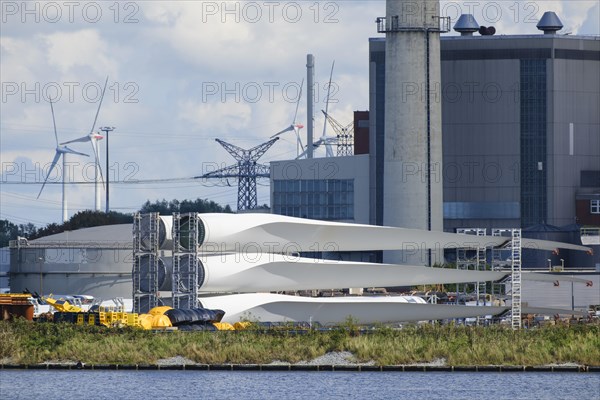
point(180, 74)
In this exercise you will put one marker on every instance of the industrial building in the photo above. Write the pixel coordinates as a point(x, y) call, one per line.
point(92, 261)
point(521, 130)
point(521, 135)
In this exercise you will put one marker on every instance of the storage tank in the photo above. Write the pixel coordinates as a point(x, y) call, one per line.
point(94, 261)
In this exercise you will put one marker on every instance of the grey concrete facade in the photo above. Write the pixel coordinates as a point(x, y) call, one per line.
point(520, 127)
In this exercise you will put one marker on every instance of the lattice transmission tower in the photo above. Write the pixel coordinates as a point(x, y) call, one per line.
point(246, 171)
point(344, 134)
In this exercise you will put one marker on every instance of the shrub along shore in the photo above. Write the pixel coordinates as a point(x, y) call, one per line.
point(24, 342)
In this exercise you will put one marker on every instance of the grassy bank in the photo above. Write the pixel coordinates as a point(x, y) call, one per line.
point(29, 343)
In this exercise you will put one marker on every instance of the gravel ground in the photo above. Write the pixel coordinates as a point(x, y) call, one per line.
point(178, 360)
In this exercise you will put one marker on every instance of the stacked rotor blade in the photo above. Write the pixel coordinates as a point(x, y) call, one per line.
point(251, 254)
point(281, 234)
point(263, 272)
point(335, 310)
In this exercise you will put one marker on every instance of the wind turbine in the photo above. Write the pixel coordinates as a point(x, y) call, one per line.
point(324, 139)
point(61, 150)
point(93, 138)
point(295, 126)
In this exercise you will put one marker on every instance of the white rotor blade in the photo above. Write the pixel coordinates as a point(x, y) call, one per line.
point(53, 123)
point(267, 307)
point(315, 146)
point(54, 161)
point(298, 102)
point(65, 149)
point(94, 144)
point(327, 99)
point(551, 311)
point(81, 139)
point(99, 105)
point(252, 272)
point(289, 128)
point(281, 234)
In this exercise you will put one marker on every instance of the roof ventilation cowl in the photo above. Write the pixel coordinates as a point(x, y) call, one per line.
point(550, 23)
point(466, 25)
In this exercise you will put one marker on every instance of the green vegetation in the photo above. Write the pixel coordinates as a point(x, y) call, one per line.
point(29, 343)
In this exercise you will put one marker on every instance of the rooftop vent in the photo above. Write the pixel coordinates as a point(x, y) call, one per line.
point(550, 23)
point(466, 25)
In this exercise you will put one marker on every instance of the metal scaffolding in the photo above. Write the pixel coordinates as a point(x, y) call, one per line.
point(473, 260)
point(188, 272)
point(468, 259)
point(499, 261)
point(145, 244)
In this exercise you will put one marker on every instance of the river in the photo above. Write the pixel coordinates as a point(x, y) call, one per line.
point(86, 384)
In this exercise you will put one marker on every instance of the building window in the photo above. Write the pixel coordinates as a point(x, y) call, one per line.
point(533, 104)
point(595, 206)
point(329, 199)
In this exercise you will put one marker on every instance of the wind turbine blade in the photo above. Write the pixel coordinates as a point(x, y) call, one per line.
point(327, 99)
point(65, 149)
point(54, 123)
point(94, 144)
point(298, 102)
point(277, 233)
point(271, 272)
point(99, 105)
point(289, 128)
point(54, 161)
point(279, 308)
point(81, 139)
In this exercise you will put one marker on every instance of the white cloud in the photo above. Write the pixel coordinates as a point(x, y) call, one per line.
point(84, 48)
point(217, 117)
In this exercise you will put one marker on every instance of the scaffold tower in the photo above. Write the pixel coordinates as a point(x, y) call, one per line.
point(145, 246)
point(468, 259)
point(514, 260)
point(188, 272)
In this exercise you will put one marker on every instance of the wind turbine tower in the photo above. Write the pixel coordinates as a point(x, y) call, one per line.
point(93, 138)
point(246, 171)
point(61, 151)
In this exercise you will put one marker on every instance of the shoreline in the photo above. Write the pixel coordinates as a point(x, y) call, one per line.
point(305, 367)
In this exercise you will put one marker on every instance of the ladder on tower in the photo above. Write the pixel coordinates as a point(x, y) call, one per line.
point(499, 262)
point(516, 279)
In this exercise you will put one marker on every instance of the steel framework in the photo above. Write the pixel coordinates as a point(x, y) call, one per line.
point(344, 134)
point(246, 171)
point(145, 244)
point(499, 261)
point(187, 229)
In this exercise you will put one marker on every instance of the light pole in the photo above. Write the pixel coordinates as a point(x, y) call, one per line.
point(107, 129)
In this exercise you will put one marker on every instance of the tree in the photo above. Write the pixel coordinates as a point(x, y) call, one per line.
point(10, 231)
point(165, 207)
